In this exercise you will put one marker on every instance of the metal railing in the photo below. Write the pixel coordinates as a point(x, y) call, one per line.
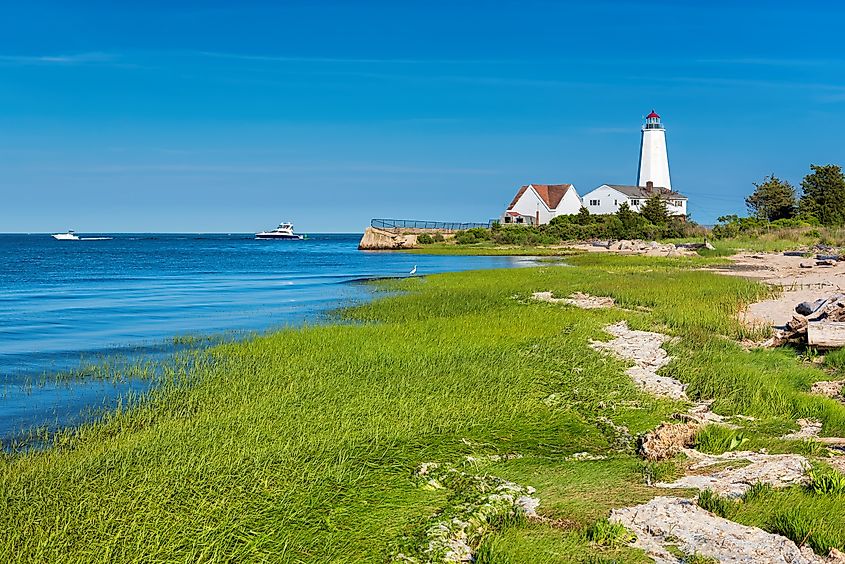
point(400, 224)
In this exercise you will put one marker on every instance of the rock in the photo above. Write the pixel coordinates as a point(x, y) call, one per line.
point(829, 388)
point(671, 521)
point(836, 556)
point(645, 349)
point(777, 470)
point(807, 429)
point(806, 265)
point(668, 440)
point(708, 246)
point(806, 308)
point(825, 262)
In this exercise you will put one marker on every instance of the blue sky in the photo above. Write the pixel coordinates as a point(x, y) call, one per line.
point(233, 116)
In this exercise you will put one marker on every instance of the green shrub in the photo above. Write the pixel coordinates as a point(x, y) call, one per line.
point(439, 238)
point(425, 239)
point(474, 235)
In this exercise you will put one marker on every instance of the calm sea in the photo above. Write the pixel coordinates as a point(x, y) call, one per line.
point(66, 304)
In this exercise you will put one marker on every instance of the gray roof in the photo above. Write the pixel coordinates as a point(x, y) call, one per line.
point(646, 193)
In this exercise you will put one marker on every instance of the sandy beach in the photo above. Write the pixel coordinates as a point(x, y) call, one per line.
point(797, 283)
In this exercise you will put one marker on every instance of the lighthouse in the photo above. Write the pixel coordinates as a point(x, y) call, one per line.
point(654, 162)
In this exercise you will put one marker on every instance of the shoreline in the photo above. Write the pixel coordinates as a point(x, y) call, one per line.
point(312, 436)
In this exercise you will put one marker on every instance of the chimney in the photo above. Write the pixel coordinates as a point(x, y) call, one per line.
point(649, 185)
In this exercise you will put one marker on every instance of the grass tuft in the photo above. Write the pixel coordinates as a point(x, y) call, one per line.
point(605, 533)
point(714, 503)
point(827, 482)
point(716, 439)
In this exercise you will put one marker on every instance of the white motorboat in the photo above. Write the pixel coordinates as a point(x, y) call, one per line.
point(69, 236)
point(283, 231)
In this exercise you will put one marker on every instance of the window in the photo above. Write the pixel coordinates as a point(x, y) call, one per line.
point(635, 202)
point(595, 203)
point(615, 202)
point(679, 203)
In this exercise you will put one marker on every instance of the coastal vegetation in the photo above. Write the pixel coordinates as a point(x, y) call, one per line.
point(778, 220)
point(307, 444)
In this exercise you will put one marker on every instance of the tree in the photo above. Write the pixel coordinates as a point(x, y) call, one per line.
point(772, 199)
point(824, 194)
point(654, 210)
point(626, 215)
point(583, 217)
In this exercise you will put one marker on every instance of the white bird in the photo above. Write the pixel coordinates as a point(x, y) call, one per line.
point(413, 271)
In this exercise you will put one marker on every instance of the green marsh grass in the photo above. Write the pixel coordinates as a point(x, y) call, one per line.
point(300, 445)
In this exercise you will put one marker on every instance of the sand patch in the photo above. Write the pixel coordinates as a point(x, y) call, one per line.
point(577, 299)
point(798, 284)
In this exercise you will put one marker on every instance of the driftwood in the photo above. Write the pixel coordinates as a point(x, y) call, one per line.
point(820, 323)
point(826, 334)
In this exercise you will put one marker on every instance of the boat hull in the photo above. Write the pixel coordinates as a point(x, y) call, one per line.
point(278, 236)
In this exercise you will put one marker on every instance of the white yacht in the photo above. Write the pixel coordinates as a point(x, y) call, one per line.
point(69, 236)
point(283, 231)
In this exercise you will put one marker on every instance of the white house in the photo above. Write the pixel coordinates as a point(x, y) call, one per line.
point(537, 204)
point(607, 198)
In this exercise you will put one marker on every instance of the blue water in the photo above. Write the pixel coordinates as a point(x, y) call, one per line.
point(64, 304)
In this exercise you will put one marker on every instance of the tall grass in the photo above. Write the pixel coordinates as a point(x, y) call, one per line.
point(299, 446)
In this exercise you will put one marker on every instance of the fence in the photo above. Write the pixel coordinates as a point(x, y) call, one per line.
point(414, 224)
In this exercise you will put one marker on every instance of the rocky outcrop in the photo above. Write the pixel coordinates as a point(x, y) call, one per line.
point(673, 522)
point(375, 239)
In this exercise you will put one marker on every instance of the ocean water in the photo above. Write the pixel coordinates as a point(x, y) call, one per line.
point(67, 304)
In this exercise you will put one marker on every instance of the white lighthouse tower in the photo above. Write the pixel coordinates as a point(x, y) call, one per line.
point(654, 162)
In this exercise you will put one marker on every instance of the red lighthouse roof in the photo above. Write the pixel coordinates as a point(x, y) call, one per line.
point(653, 114)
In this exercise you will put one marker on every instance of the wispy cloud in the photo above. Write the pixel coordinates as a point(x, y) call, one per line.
point(344, 60)
point(749, 82)
point(771, 62)
point(373, 168)
point(73, 59)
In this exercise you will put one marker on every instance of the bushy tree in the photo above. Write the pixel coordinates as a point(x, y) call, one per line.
point(654, 210)
point(583, 217)
point(772, 199)
point(627, 216)
point(824, 194)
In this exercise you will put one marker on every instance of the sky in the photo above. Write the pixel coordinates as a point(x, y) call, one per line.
point(234, 116)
